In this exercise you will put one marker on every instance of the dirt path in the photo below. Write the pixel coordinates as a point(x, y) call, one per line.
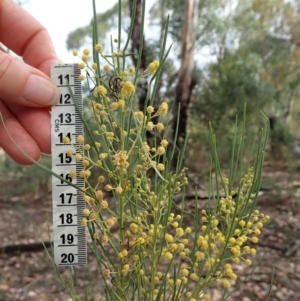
point(29, 275)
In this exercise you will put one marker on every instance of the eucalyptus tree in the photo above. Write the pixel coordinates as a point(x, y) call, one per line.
point(193, 24)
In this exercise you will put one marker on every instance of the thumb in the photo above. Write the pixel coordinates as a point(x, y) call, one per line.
point(24, 85)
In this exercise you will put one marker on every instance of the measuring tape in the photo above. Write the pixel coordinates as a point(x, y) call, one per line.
point(69, 236)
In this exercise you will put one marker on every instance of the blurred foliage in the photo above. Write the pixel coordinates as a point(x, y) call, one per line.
point(227, 86)
point(18, 180)
point(209, 23)
point(271, 29)
point(107, 21)
point(245, 51)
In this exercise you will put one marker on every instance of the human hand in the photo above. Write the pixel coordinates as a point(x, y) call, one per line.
point(26, 92)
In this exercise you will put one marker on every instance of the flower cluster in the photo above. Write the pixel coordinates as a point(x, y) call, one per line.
point(142, 240)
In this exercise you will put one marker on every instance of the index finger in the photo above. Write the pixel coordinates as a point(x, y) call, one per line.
point(20, 32)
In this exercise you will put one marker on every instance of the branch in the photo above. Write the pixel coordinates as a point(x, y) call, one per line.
point(33, 247)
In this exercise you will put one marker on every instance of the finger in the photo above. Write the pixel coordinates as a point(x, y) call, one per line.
point(20, 32)
point(24, 85)
point(20, 136)
point(37, 123)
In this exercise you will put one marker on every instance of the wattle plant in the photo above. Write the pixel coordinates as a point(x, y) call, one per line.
point(147, 247)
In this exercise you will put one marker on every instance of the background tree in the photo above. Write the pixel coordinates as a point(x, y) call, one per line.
point(185, 83)
point(223, 55)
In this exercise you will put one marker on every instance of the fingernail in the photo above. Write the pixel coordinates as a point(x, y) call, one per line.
point(40, 91)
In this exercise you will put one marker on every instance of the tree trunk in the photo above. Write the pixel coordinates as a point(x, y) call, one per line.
point(185, 82)
point(135, 46)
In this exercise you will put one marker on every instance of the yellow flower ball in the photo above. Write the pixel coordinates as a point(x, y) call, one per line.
point(163, 109)
point(194, 277)
point(150, 109)
point(98, 47)
point(108, 187)
point(206, 297)
point(85, 174)
point(86, 212)
point(86, 51)
point(150, 126)
point(104, 238)
point(95, 236)
point(226, 284)
point(153, 66)
point(160, 167)
point(66, 140)
point(114, 105)
point(160, 126)
point(106, 68)
point(179, 231)
point(169, 255)
point(242, 223)
point(119, 190)
point(236, 260)
point(101, 179)
point(254, 240)
point(106, 273)
point(132, 70)
point(85, 58)
point(164, 142)
point(127, 88)
point(85, 163)
point(121, 103)
point(160, 150)
point(185, 241)
point(83, 222)
point(81, 66)
point(93, 216)
point(80, 139)
point(175, 225)
point(101, 90)
point(104, 205)
point(168, 237)
point(139, 115)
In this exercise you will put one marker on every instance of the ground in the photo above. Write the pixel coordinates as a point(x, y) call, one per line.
point(28, 275)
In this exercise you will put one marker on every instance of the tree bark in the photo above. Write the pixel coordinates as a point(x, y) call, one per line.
point(135, 46)
point(31, 247)
point(185, 82)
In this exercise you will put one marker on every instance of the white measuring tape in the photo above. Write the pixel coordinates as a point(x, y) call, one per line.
point(68, 235)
